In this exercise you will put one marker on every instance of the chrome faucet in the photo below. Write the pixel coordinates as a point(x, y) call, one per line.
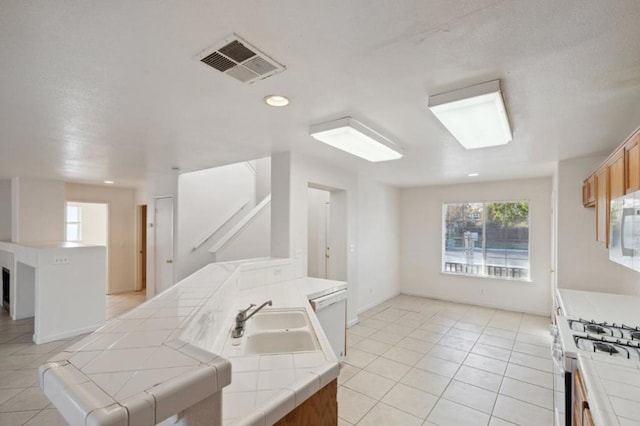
point(242, 318)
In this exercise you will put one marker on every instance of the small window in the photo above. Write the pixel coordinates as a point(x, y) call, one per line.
point(488, 239)
point(74, 228)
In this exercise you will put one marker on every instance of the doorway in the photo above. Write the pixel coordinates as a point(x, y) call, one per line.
point(141, 261)
point(88, 223)
point(163, 246)
point(318, 225)
point(326, 233)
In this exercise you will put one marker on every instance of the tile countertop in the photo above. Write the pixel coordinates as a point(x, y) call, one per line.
point(612, 385)
point(613, 390)
point(590, 305)
point(165, 355)
point(266, 387)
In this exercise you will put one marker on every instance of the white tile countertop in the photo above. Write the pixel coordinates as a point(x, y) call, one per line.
point(612, 384)
point(613, 390)
point(266, 387)
point(591, 305)
point(165, 356)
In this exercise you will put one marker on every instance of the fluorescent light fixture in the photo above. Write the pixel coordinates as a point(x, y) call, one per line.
point(276, 100)
point(357, 139)
point(109, 182)
point(472, 174)
point(475, 115)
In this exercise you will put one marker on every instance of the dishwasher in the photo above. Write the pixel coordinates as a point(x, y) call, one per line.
point(331, 310)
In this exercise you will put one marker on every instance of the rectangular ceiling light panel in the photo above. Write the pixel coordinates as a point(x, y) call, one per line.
point(357, 139)
point(475, 115)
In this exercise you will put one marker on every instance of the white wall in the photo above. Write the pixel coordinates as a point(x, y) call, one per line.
point(5, 209)
point(253, 241)
point(378, 243)
point(69, 298)
point(263, 178)
point(583, 263)
point(207, 199)
point(38, 210)
point(94, 227)
point(122, 230)
point(305, 171)
point(421, 246)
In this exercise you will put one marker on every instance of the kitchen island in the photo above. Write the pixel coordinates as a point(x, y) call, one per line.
point(61, 285)
point(169, 359)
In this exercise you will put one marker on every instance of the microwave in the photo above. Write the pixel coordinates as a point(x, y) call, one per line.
point(624, 237)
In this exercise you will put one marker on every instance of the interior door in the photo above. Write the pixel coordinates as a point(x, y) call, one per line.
point(163, 249)
point(327, 247)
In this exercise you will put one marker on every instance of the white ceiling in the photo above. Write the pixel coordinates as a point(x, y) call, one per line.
point(94, 90)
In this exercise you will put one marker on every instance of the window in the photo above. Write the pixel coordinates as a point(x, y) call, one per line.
point(489, 239)
point(73, 223)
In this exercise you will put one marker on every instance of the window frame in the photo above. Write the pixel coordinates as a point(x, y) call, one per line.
point(68, 222)
point(443, 240)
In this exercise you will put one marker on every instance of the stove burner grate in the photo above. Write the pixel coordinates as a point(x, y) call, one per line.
point(604, 347)
point(597, 329)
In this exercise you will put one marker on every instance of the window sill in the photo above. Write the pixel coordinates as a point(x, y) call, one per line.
point(490, 277)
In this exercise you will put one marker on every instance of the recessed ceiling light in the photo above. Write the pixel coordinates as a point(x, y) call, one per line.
point(475, 115)
point(357, 139)
point(276, 100)
point(109, 182)
point(472, 174)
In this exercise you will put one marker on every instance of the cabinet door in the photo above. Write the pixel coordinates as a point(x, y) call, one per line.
point(579, 399)
point(589, 192)
point(602, 205)
point(632, 164)
point(587, 420)
point(617, 183)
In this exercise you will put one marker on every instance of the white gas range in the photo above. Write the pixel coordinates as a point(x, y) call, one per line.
point(601, 339)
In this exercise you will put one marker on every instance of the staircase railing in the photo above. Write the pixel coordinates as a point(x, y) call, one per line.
point(225, 219)
point(238, 227)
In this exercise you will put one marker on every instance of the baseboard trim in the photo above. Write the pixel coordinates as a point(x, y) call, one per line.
point(380, 302)
point(66, 334)
point(353, 322)
point(484, 305)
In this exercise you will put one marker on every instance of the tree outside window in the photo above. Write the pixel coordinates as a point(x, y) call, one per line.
point(488, 239)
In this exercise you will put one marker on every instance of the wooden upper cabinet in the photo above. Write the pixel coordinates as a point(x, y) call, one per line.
point(618, 175)
point(589, 192)
point(632, 163)
point(602, 205)
point(617, 184)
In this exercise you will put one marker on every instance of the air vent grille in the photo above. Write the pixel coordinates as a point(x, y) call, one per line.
point(218, 62)
point(237, 51)
point(240, 60)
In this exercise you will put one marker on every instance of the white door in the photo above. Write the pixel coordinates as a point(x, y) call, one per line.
point(163, 250)
point(317, 232)
point(327, 238)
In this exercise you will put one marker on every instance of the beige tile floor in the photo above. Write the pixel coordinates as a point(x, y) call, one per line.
point(21, 400)
point(417, 361)
point(412, 361)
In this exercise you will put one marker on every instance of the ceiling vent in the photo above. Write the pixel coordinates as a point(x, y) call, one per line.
point(240, 60)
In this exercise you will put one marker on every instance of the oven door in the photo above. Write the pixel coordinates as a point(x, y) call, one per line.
point(562, 380)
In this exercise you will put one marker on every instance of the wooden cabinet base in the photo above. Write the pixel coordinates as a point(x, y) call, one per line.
point(321, 409)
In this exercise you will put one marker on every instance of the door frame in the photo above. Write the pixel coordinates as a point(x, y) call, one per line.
point(142, 219)
point(154, 245)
